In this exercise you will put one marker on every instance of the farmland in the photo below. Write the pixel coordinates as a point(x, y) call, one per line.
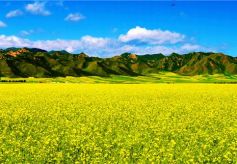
point(118, 123)
point(161, 77)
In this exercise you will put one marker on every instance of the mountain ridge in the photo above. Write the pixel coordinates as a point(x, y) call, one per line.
point(34, 62)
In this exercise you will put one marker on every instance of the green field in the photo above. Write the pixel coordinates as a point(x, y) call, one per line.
point(162, 77)
point(118, 123)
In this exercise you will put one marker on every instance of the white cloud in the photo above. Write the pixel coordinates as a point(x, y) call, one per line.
point(14, 13)
point(13, 41)
point(190, 47)
point(94, 41)
point(86, 42)
point(167, 50)
point(153, 50)
point(37, 8)
point(96, 46)
point(105, 47)
point(2, 24)
point(156, 36)
point(26, 33)
point(74, 17)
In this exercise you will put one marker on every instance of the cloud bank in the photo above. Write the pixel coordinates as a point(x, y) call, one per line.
point(155, 41)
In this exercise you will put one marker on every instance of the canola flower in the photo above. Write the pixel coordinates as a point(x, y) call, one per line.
point(118, 123)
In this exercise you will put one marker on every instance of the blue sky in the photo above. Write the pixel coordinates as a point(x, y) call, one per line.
point(111, 27)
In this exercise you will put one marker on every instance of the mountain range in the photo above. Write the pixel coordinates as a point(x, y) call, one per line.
point(33, 62)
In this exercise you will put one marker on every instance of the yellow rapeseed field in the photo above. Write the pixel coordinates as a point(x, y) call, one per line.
point(118, 123)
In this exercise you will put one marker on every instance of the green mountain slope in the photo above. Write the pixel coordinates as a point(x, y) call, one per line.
point(32, 62)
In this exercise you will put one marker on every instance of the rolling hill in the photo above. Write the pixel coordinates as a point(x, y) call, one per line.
point(33, 62)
